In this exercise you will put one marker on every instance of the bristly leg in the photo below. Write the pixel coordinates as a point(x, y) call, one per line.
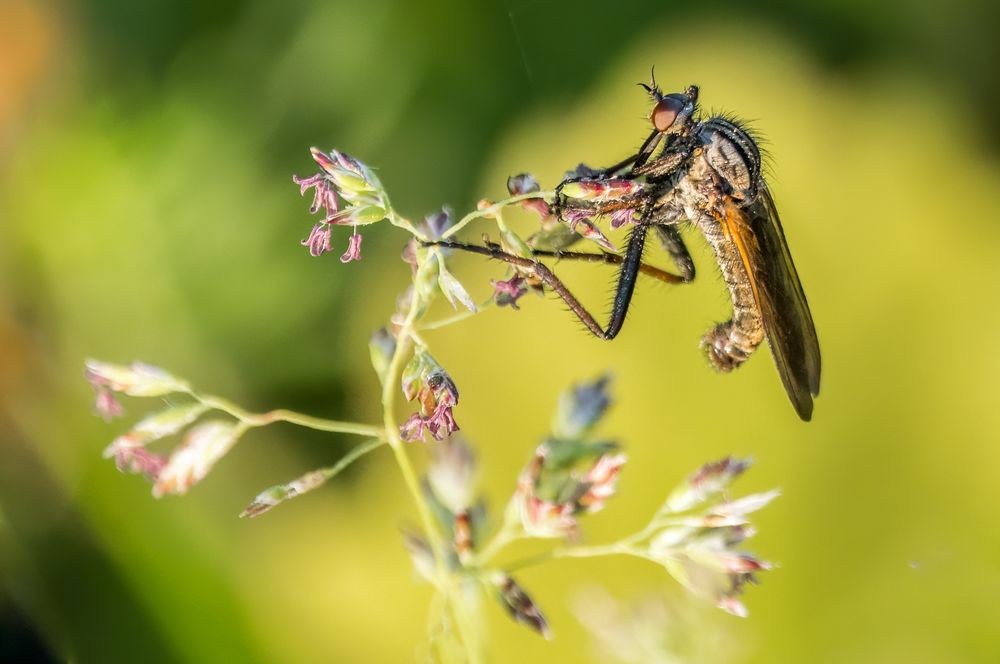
point(631, 266)
point(681, 257)
point(670, 238)
point(614, 259)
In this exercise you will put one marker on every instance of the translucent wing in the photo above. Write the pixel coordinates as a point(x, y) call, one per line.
point(788, 325)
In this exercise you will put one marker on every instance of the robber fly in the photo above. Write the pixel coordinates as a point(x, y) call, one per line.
point(706, 173)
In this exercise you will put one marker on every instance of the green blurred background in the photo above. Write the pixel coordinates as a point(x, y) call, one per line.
point(147, 211)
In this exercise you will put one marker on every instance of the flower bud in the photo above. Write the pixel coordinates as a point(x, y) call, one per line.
point(601, 481)
point(159, 425)
point(523, 183)
point(136, 380)
point(519, 604)
point(544, 518)
point(733, 606)
point(452, 288)
point(462, 528)
point(512, 243)
point(204, 445)
point(106, 405)
point(367, 214)
point(706, 483)
point(746, 505)
point(581, 407)
point(507, 293)
point(580, 223)
point(554, 236)
point(349, 174)
point(425, 380)
point(437, 223)
point(452, 474)
point(421, 554)
point(415, 372)
point(425, 278)
point(381, 347)
point(272, 496)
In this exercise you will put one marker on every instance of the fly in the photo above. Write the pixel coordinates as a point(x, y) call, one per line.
point(705, 173)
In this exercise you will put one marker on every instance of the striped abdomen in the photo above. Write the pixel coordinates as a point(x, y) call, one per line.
point(725, 174)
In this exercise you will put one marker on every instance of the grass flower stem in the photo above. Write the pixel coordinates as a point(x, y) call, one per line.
point(510, 531)
point(405, 224)
point(290, 416)
point(352, 456)
point(464, 314)
point(620, 548)
point(491, 210)
point(443, 581)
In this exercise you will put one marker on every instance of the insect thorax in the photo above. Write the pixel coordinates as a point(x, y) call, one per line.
point(733, 155)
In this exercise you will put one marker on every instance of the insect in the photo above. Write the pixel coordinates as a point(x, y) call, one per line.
point(705, 173)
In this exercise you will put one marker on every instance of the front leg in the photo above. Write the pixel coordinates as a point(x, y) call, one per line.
point(585, 174)
point(662, 166)
point(599, 195)
point(636, 160)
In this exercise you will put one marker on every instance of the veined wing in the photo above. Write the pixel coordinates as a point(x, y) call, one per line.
point(788, 325)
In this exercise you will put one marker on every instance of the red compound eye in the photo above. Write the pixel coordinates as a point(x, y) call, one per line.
point(665, 112)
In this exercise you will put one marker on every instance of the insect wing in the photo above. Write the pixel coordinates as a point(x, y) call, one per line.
point(788, 325)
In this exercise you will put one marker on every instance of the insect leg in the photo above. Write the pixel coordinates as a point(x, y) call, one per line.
point(671, 240)
point(636, 160)
point(642, 156)
point(627, 277)
point(614, 259)
point(611, 170)
point(631, 264)
point(661, 166)
point(493, 251)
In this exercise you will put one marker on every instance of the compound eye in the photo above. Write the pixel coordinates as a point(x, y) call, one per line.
point(665, 112)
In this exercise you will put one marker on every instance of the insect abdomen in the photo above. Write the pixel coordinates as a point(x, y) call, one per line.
point(730, 344)
point(727, 173)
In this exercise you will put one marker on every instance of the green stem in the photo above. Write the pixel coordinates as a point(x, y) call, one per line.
point(456, 318)
point(658, 522)
point(493, 209)
point(444, 584)
point(510, 531)
point(352, 456)
point(284, 415)
point(616, 549)
point(391, 427)
point(275, 495)
point(417, 339)
point(405, 224)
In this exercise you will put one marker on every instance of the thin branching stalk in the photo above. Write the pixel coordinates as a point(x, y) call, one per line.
point(491, 210)
point(290, 416)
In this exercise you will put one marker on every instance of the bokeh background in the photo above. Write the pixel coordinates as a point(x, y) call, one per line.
point(147, 211)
